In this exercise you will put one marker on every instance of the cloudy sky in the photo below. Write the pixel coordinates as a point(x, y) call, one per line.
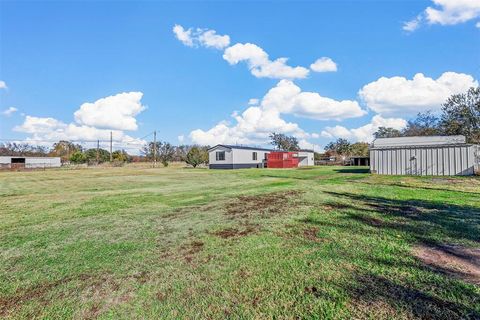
point(211, 73)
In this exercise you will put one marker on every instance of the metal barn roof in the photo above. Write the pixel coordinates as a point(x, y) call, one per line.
point(418, 141)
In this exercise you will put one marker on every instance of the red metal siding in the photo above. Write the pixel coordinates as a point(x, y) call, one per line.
point(279, 159)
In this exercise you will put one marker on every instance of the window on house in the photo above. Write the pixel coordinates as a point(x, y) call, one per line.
point(254, 156)
point(220, 155)
point(266, 156)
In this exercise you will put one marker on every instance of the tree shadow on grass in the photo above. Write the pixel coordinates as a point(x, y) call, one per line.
point(425, 220)
point(381, 292)
point(411, 187)
point(374, 295)
point(353, 170)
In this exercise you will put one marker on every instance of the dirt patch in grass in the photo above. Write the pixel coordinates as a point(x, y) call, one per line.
point(102, 289)
point(189, 251)
point(311, 234)
point(268, 204)
point(39, 292)
point(105, 293)
point(92, 283)
point(457, 261)
point(446, 181)
point(234, 232)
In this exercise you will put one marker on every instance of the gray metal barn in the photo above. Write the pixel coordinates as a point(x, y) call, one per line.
point(19, 162)
point(426, 156)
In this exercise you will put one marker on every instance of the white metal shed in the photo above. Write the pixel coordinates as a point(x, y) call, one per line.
point(432, 156)
point(29, 162)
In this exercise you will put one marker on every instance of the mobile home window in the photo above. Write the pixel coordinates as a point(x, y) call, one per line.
point(254, 156)
point(220, 155)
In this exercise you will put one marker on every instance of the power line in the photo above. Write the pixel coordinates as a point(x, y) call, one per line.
point(27, 140)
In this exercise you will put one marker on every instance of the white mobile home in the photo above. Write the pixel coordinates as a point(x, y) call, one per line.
point(236, 157)
point(432, 156)
point(12, 162)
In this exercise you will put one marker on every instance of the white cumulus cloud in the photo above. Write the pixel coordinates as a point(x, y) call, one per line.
point(413, 24)
point(450, 12)
point(401, 96)
point(446, 12)
point(46, 129)
point(210, 38)
point(39, 125)
point(201, 37)
point(184, 36)
point(363, 133)
point(91, 122)
point(259, 63)
point(254, 124)
point(8, 112)
point(3, 85)
point(253, 102)
point(113, 112)
point(287, 97)
point(324, 64)
point(256, 59)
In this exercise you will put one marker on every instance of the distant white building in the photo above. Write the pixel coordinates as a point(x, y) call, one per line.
point(426, 156)
point(19, 162)
point(238, 157)
point(306, 158)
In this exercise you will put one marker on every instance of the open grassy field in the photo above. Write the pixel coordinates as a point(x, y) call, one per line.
point(321, 243)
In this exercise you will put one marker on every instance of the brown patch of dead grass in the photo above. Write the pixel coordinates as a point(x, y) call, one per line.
point(268, 204)
point(457, 261)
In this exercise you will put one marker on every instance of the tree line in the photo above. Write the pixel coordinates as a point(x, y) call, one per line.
point(70, 152)
point(460, 115)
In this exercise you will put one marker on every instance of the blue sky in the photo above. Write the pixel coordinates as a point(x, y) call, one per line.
point(78, 70)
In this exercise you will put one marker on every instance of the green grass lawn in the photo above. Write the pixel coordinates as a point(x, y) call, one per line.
point(320, 243)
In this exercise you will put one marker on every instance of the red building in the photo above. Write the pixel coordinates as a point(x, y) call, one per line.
point(282, 159)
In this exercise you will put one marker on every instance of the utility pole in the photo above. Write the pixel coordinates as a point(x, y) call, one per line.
point(68, 154)
point(98, 147)
point(154, 148)
point(111, 142)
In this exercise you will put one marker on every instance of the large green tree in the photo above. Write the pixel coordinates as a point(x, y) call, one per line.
point(78, 157)
point(92, 157)
point(359, 149)
point(120, 156)
point(64, 149)
point(166, 153)
point(339, 147)
point(387, 132)
point(284, 142)
point(425, 124)
point(461, 115)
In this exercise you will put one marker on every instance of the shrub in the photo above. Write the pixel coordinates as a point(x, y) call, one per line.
point(78, 157)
